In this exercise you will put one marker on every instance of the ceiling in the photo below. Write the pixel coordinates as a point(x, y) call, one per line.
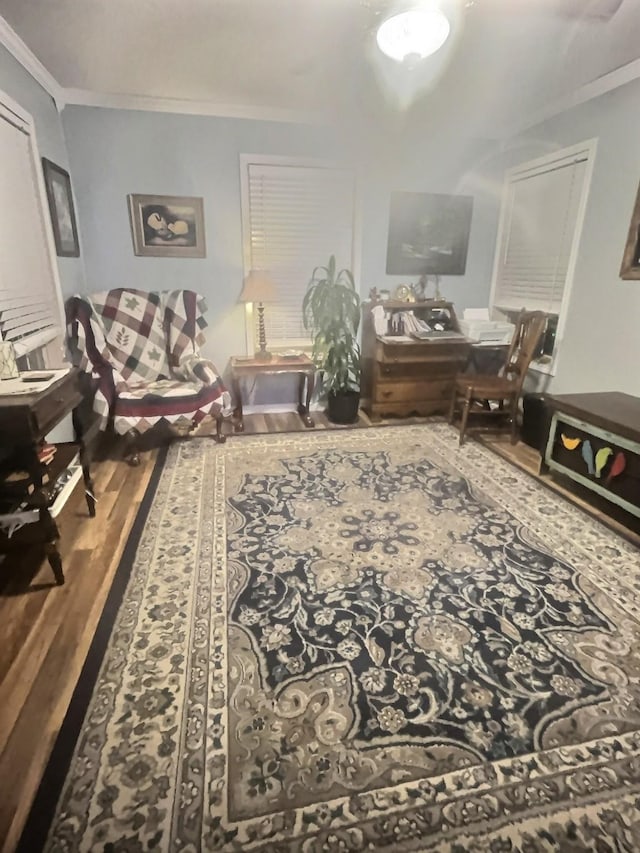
point(507, 59)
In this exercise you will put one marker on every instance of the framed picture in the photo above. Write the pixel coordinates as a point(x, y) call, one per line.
point(63, 217)
point(428, 233)
point(167, 226)
point(630, 268)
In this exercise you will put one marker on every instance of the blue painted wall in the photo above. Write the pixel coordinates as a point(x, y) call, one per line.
point(116, 152)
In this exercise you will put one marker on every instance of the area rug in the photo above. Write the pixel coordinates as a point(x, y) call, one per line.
point(366, 640)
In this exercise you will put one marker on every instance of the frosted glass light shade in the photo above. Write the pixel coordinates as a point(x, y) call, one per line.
point(416, 32)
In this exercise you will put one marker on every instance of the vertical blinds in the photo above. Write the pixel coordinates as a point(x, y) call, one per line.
point(541, 213)
point(298, 217)
point(28, 307)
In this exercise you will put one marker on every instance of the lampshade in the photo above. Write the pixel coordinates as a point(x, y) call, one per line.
point(416, 32)
point(257, 287)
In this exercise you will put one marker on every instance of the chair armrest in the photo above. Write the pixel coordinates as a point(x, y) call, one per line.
point(194, 368)
point(205, 371)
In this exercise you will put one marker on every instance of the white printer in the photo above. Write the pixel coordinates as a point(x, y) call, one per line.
point(477, 326)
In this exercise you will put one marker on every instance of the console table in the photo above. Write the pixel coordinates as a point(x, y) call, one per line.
point(32, 492)
point(594, 439)
point(243, 367)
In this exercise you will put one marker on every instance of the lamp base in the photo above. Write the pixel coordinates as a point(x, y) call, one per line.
point(263, 354)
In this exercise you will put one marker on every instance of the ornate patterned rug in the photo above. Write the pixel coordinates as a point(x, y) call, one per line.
point(365, 640)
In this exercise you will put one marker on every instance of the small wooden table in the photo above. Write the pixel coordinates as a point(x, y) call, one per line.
point(31, 505)
point(243, 367)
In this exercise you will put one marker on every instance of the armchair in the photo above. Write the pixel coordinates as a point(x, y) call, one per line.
point(499, 395)
point(142, 350)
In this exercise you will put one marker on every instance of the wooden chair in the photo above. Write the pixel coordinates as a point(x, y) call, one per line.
point(499, 395)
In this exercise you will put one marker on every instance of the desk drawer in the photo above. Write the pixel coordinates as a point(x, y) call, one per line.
point(398, 392)
point(59, 401)
point(417, 372)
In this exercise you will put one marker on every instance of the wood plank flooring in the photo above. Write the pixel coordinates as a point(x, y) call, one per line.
point(45, 631)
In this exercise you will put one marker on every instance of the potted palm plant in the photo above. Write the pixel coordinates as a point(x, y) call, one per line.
point(331, 311)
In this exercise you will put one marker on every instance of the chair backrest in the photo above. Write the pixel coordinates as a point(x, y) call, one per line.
point(140, 336)
point(526, 337)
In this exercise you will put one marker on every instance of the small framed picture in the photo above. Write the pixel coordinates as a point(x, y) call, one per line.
point(630, 267)
point(167, 226)
point(63, 217)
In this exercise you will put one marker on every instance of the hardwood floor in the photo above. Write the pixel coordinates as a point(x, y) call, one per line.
point(45, 631)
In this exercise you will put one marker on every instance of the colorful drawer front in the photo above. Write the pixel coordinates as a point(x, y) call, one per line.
point(599, 460)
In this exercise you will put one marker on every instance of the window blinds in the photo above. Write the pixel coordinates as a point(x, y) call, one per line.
point(28, 307)
point(298, 217)
point(540, 217)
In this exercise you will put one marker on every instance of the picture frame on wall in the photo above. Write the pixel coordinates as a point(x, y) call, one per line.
point(630, 267)
point(167, 226)
point(428, 233)
point(63, 218)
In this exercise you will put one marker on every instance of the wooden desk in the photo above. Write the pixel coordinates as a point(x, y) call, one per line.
point(248, 367)
point(600, 420)
point(29, 504)
point(404, 377)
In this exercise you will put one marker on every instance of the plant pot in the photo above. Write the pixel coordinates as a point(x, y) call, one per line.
point(343, 406)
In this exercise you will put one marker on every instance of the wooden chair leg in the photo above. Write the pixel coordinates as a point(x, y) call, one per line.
point(452, 407)
point(514, 419)
point(131, 454)
point(465, 416)
point(219, 437)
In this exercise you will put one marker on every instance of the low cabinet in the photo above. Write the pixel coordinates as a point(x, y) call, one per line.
point(594, 440)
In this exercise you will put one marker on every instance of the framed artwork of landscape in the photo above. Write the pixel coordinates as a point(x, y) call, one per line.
point(630, 268)
point(167, 226)
point(63, 217)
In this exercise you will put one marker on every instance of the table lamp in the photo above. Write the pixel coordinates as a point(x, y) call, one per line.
point(259, 288)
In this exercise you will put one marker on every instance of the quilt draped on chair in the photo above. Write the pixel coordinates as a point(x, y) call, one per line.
point(143, 348)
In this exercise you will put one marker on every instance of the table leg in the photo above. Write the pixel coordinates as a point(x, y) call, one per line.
point(85, 461)
point(306, 379)
point(238, 422)
point(51, 545)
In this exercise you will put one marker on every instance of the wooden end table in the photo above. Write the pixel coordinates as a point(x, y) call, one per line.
point(30, 506)
point(243, 367)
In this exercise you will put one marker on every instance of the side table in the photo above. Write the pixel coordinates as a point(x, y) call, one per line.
point(30, 504)
point(249, 367)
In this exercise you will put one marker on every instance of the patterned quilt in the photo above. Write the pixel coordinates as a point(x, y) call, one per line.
point(143, 348)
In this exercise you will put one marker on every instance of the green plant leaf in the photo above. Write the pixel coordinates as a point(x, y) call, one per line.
point(331, 312)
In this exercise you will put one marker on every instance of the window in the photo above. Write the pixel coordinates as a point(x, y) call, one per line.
point(295, 216)
point(540, 225)
point(29, 307)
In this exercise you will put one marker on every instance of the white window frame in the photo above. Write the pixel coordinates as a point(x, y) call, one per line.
point(584, 150)
point(13, 112)
point(297, 162)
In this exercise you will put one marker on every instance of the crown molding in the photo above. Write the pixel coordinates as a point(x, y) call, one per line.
point(86, 98)
point(29, 61)
point(594, 89)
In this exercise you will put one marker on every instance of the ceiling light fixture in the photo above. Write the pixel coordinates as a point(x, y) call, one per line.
point(414, 33)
